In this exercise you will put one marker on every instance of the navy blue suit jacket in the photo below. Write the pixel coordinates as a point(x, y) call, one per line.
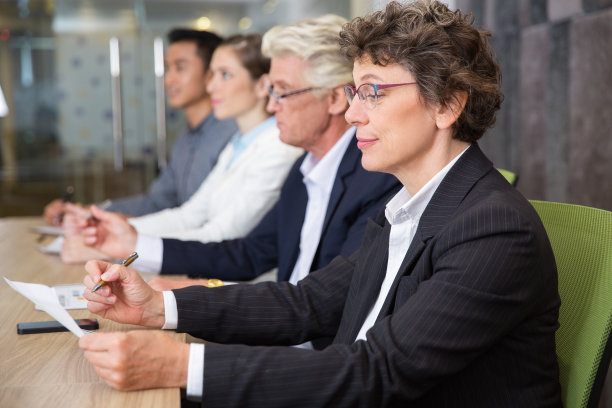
point(356, 196)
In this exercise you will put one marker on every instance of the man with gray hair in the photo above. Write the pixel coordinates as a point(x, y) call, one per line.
point(327, 197)
point(325, 202)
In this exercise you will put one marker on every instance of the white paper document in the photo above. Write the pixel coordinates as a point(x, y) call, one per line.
point(70, 296)
point(48, 230)
point(45, 298)
point(54, 247)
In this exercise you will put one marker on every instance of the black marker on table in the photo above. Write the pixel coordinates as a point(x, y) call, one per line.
point(126, 262)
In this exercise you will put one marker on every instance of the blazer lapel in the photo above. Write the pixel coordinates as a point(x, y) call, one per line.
point(414, 252)
point(347, 166)
point(452, 190)
point(372, 266)
point(294, 201)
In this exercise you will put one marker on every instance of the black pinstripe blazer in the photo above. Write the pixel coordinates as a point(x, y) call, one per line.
point(469, 320)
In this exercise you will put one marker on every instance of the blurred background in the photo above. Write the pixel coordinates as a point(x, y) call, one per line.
point(69, 121)
point(64, 104)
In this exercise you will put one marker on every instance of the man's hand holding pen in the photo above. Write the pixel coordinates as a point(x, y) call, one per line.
point(74, 249)
point(54, 211)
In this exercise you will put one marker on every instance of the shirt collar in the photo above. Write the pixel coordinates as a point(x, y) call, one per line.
point(402, 207)
point(240, 141)
point(196, 129)
point(323, 172)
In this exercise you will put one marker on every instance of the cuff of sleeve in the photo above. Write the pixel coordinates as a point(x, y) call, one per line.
point(171, 310)
point(150, 253)
point(195, 373)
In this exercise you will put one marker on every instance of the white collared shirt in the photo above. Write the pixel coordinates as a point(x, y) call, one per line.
point(403, 212)
point(319, 178)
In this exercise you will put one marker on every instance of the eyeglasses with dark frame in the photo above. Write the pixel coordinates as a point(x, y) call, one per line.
point(368, 93)
point(278, 97)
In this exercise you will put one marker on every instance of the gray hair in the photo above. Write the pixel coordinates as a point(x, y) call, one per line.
point(316, 41)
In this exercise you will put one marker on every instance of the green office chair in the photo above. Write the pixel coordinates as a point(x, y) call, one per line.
point(581, 238)
point(510, 176)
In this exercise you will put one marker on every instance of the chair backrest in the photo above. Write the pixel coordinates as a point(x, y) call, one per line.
point(510, 176)
point(581, 238)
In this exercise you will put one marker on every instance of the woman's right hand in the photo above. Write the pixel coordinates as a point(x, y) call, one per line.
point(125, 298)
point(110, 233)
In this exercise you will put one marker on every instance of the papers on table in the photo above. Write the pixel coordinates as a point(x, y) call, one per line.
point(45, 298)
point(48, 230)
point(70, 296)
point(55, 247)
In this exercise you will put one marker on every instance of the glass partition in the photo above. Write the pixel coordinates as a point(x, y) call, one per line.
point(74, 121)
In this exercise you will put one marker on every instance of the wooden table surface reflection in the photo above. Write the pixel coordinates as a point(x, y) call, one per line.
point(49, 370)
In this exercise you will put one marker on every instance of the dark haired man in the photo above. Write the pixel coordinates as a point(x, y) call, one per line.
point(195, 151)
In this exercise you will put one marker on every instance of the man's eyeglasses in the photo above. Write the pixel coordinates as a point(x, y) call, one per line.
point(368, 93)
point(277, 98)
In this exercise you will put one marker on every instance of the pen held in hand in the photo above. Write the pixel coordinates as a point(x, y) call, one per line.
point(91, 220)
point(126, 262)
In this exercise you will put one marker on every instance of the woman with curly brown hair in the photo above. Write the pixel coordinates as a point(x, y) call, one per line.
point(451, 300)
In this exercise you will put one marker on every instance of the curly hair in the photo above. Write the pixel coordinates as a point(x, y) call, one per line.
point(442, 49)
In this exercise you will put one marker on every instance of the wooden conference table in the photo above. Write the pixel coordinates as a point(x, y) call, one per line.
point(49, 370)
